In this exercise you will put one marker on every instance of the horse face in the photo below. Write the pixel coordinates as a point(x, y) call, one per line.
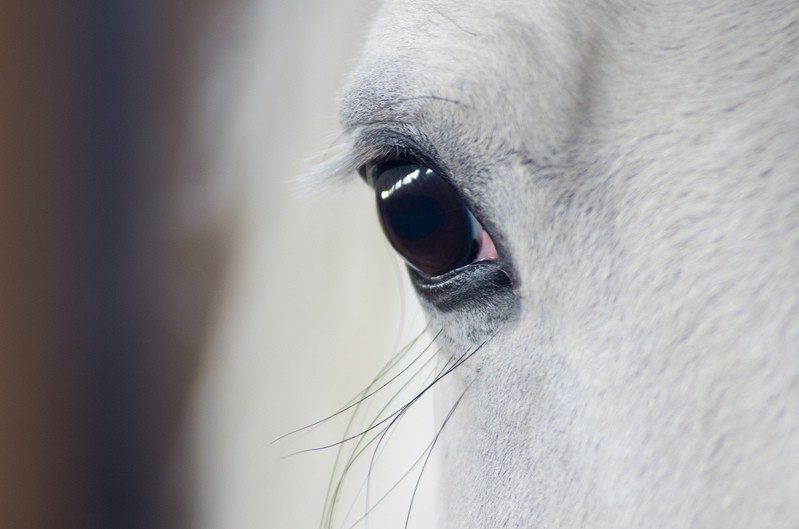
point(636, 168)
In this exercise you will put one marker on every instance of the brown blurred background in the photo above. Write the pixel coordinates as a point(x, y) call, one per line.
point(92, 378)
point(168, 304)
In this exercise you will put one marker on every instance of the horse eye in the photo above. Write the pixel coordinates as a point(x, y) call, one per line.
point(426, 221)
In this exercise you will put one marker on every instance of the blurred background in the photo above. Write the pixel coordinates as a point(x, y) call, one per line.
point(169, 301)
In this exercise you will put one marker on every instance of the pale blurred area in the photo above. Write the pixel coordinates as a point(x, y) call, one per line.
point(170, 302)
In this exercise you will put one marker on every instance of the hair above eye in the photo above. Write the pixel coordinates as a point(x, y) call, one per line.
point(426, 220)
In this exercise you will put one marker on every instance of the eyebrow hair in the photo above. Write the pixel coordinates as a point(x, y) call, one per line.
point(365, 141)
point(390, 140)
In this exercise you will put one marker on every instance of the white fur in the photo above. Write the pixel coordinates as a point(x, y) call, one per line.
point(639, 162)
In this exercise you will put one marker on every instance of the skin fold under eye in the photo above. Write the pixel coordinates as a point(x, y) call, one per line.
point(426, 220)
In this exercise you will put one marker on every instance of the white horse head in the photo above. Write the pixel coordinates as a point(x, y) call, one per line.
point(601, 202)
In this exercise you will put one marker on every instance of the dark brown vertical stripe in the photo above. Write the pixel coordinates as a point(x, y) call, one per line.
point(44, 478)
point(93, 376)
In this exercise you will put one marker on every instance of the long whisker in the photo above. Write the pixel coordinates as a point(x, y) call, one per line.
point(354, 456)
point(393, 415)
point(375, 453)
point(392, 419)
point(393, 487)
point(360, 398)
point(330, 500)
point(430, 451)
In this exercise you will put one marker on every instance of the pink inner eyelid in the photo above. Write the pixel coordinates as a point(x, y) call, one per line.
point(488, 252)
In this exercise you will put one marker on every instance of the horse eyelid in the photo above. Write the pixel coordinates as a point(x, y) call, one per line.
point(377, 146)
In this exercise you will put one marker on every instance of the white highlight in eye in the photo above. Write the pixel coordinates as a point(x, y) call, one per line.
point(399, 183)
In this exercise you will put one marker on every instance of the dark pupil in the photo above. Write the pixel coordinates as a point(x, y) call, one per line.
point(425, 219)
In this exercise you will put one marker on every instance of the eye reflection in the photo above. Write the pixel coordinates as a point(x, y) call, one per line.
point(399, 183)
point(425, 219)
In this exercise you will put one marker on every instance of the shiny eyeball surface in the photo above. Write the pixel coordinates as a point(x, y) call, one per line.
point(426, 220)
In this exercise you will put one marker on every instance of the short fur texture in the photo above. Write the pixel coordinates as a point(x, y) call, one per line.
point(637, 164)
